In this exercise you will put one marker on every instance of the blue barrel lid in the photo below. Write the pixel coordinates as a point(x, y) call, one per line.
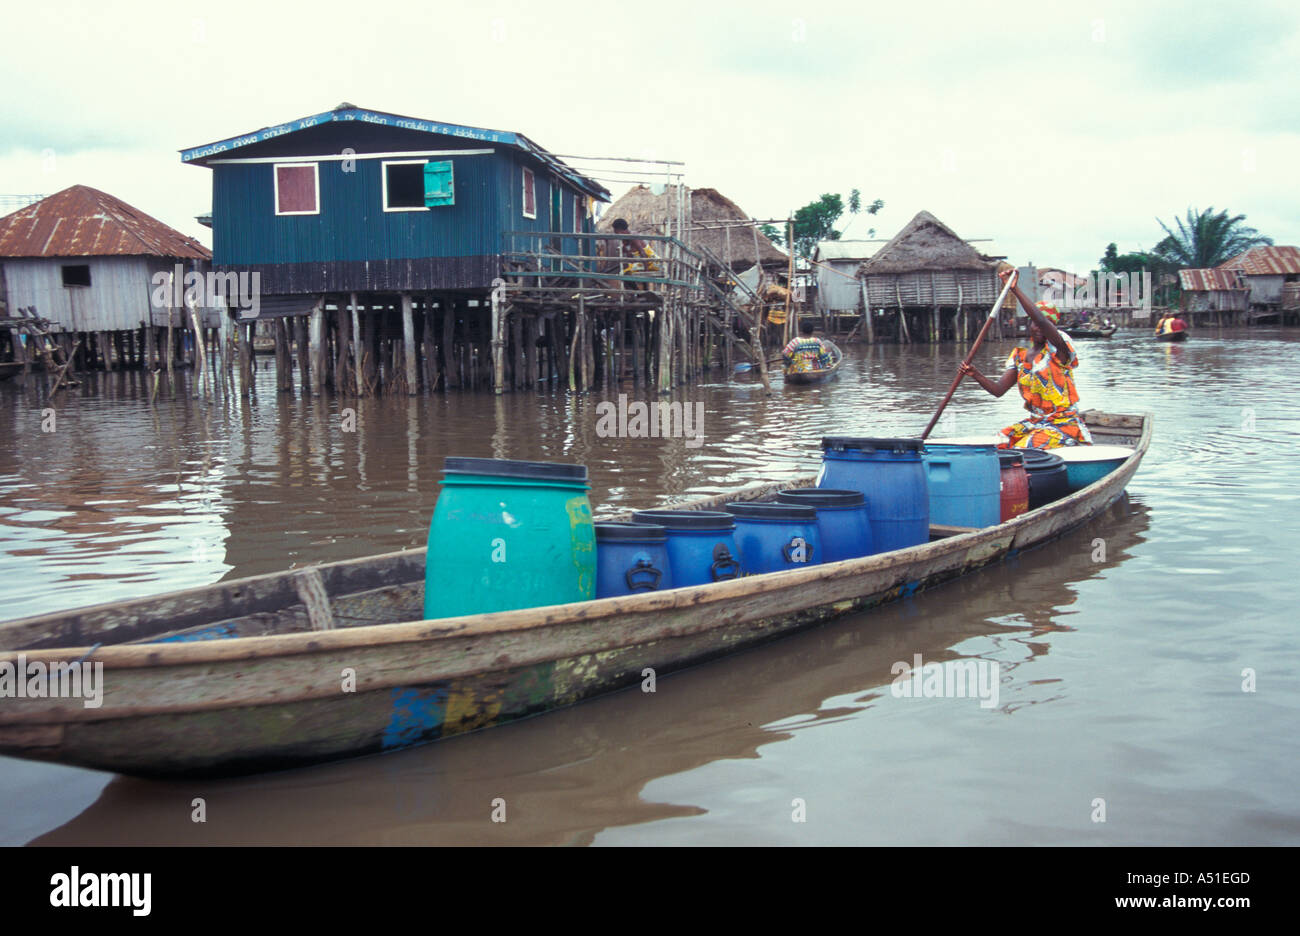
point(822, 497)
point(640, 532)
point(867, 444)
point(1039, 459)
point(687, 519)
point(505, 468)
point(770, 511)
point(962, 448)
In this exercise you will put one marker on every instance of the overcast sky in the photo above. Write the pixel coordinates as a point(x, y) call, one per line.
point(1051, 129)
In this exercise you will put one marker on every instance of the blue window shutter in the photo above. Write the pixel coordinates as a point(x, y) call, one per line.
point(438, 185)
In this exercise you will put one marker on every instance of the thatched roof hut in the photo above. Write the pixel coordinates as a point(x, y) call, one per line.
point(926, 265)
point(646, 213)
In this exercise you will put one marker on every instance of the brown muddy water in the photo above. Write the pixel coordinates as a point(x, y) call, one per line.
point(1121, 677)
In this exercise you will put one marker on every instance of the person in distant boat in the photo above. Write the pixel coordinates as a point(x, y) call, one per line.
point(806, 353)
point(1045, 376)
point(1177, 324)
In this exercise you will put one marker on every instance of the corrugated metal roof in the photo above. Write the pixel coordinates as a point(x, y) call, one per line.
point(1265, 261)
point(846, 249)
point(200, 155)
point(84, 222)
point(1208, 280)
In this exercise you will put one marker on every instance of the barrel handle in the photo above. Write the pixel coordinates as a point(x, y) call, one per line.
point(789, 548)
point(644, 569)
point(722, 559)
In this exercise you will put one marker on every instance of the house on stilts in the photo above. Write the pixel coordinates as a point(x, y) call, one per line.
point(928, 284)
point(80, 268)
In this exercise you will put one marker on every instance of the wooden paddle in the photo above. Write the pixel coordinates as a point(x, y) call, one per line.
point(997, 306)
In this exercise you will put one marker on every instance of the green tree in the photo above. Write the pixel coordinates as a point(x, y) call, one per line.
point(816, 221)
point(1207, 239)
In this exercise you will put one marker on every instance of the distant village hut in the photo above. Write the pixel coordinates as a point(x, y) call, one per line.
point(1267, 272)
point(711, 221)
point(84, 262)
point(836, 265)
point(925, 272)
point(377, 239)
point(1213, 292)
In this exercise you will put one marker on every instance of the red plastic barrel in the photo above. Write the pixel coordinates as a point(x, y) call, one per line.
point(1015, 484)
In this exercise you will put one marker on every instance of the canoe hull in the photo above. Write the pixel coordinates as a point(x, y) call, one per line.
point(1176, 337)
point(817, 376)
point(250, 704)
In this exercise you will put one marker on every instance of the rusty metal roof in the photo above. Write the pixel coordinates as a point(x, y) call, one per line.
point(84, 222)
point(1208, 280)
point(1265, 261)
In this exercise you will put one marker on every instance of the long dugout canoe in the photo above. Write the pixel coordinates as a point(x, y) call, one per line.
point(300, 667)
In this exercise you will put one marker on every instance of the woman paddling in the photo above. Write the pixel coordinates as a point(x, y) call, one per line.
point(1045, 374)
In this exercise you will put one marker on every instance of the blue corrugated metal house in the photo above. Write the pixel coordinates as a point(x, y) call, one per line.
point(354, 200)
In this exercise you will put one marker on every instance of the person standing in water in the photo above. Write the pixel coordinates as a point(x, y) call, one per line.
point(1045, 376)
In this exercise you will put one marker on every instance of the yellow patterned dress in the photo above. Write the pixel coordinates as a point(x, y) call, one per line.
point(1046, 382)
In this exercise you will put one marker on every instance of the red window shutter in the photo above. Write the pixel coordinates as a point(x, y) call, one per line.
point(530, 193)
point(296, 186)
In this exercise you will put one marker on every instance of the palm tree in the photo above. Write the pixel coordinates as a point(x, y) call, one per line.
point(1207, 239)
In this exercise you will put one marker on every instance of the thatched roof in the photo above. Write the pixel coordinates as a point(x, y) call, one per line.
point(646, 213)
point(925, 244)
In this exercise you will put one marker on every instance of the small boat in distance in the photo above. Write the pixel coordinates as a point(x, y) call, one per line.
point(1099, 330)
point(821, 375)
point(10, 369)
point(1175, 336)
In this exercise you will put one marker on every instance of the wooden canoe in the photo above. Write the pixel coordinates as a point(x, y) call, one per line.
point(1091, 331)
point(332, 661)
point(10, 369)
point(818, 376)
point(1172, 336)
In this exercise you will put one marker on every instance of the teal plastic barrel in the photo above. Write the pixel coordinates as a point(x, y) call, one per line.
point(507, 535)
point(965, 484)
point(891, 478)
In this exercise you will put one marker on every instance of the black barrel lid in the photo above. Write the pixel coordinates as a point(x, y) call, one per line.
point(751, 511)
point(630, 531)
point(861, 444)
point(504, 468)
point(822, 497)
point(1010, 457)
point(1038, 459)
point(687, 519)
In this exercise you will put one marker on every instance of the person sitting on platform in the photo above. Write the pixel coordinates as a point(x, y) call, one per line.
point(806, 353)
point(1045, 375)
point(634, 247)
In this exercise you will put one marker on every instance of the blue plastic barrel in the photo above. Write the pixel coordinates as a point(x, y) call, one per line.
point(631, 558)
point(965, 484)
point(701, 544)
point(843, 523)
point(890, 475)
point(776, 537)
point(509, 534)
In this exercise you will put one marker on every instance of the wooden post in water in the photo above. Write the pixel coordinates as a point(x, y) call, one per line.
point(283, 362)
point(316, 347)
point(302, 342)
point(245, 358)
point(356, 345)
point(409, 351)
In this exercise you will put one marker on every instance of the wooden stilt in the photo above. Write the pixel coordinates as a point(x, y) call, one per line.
point(245, 358)
point(408, 345)
point(316, 341)
point(357, 346)
point(302, 342)
point(283, 363)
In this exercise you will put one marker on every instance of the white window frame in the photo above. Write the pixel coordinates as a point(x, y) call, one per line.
point(523, 206)
point(275, 178)
point(383, 178)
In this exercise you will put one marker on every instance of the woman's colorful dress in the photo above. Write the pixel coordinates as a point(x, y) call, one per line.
point(806, 354)
point(1046, 382)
